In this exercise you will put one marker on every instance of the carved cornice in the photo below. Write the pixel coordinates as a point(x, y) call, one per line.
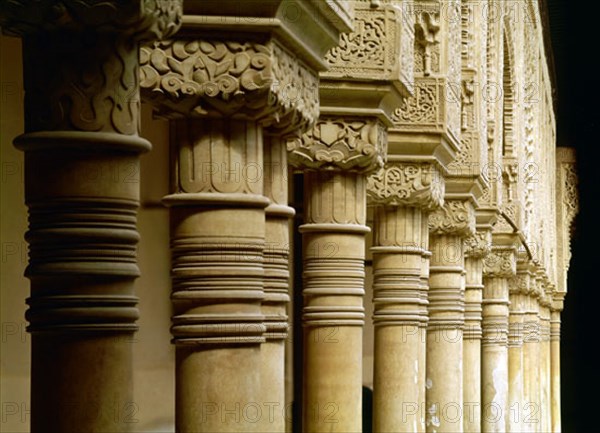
point(407, 184)
point(245, 80)
point(138, 19)
point(500, 262)
point(345, 144)
point(434, 107)
point(479, 244)
point(455, 217)
point(378, 47)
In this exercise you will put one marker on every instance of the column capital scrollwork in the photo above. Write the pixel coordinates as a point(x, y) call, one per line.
point(140, 19)
point(479, 244)
point(343, 144)
point(519, 284)
point(243, 80)
point(455, 217)
point(407, 184)
point(80, 63)
point(500, 262)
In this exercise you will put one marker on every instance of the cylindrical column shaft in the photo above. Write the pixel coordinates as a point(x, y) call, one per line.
point(276, 264)
point(472, 344)
point(516, 392)
point(82, 189)
point(333, 317)
point(217, 244)
point(531, 363)
point(555, 363)
point(398, 319)
point(494, 355)
point(444, 381)
point(545, 367)
point(422, 359)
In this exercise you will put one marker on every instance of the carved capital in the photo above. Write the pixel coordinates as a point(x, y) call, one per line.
point(80, 59)
point(455, 217)
point(407, 184)
point(479, 244)
point(500, 262)
point(137, 19)
point(519, 284)
point(348, 144)
point(558, 301)
point(242, 80)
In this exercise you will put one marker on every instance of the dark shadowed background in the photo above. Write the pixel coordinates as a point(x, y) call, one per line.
point(574, 34)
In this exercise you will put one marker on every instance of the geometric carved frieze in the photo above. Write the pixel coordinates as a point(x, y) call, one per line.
point(455, 217)
point(426, 111)
point(434, 107)
point(343, 144)
point(379, 48)
point(242, 80)
point(407, 184)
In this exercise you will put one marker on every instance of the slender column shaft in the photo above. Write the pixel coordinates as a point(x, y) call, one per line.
point(398, 319)
point(276, 264)
point(472, 344)
point(333, 316)
point(516, 392)
point(545, 367)
point(217, 244)
point(531, 360)
point(555, 363)
point(444, 381)
point(494, 355)
point(422, 359)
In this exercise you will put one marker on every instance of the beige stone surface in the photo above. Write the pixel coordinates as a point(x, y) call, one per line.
point(416, 109)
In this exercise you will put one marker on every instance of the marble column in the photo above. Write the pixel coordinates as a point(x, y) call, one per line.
point(448, 227)
point(333, 235)
point(531, 356)
point(82, 188)
point(217, 242)
point(402, 195)
point(229, 219)
point(557, 307)
point(499, 266)
point(475, 249)
point(516, 356)
point(545, 358)
point(276, 282)
point(358, 95)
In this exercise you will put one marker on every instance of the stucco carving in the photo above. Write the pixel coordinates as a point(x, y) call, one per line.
point(81, 59)
point(500, 263)
point(455, 217)
point(340, 144)
point(407, 184)
point(140, 19)
point(479, 244)
point(227, 78)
